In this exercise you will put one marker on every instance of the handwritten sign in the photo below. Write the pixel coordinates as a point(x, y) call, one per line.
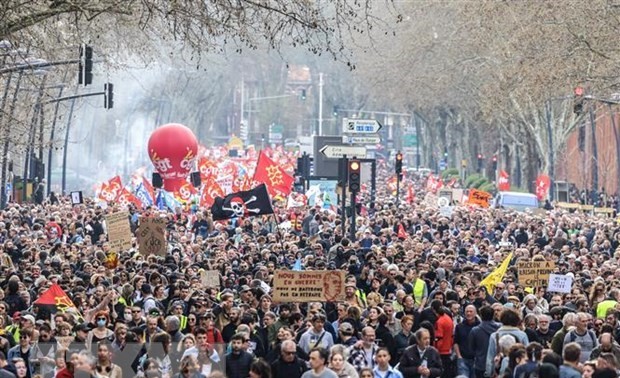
point(560, 283)
point(535, 273)
point(308, 286)
point(210, 278)
point(152, 236)
point(119, 231)
point(479, 197)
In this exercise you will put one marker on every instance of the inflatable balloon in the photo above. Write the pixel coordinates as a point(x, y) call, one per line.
point(173, 149)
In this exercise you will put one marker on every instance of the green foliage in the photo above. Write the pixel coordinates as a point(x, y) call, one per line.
point(450, 172)
point(478, 183)
point(471, 179)
point(487, 187)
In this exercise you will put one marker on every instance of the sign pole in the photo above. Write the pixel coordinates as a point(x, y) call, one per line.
point(353, 213)
point(373, 183)
point(398, 176)
point(345, 171)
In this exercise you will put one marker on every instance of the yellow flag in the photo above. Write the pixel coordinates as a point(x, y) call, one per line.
point(497, 275)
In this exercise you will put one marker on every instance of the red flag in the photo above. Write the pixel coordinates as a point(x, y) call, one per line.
point(125, 197)
point(543, 183)
point(503, 182)
point(55, 296)
point(278, 182)
point(433, 184)
point(410, 194)
point(149, 188)
point(210, 190)
point(185, 192)
point(207, 169)
point(402, 234)
point(110, 190)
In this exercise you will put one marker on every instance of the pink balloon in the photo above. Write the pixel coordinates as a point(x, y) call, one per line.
point(173, 149)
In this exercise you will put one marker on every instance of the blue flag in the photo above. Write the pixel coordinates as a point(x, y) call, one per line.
point(144, 196)
point(161, 205)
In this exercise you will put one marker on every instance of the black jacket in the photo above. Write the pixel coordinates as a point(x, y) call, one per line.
point(238, 365)
point(282, 369)
point(411, 361)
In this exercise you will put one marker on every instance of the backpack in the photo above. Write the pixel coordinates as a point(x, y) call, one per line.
point(573, 336)
point(158, 304)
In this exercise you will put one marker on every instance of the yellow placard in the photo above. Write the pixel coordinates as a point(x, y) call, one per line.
point(535, 273)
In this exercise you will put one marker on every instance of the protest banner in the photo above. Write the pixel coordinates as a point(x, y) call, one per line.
point(308, 286)
point(534, 273)
point(479, 197)
point(152, 236)
point(210, 278)
point(119, 231)
point(560, 283)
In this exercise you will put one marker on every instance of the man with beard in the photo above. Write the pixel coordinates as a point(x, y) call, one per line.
point(238, 361)
point(229, 330)
point(543, 334)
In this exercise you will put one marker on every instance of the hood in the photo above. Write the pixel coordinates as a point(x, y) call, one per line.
point(489, 327)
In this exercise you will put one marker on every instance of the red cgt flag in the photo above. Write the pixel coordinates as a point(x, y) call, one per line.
point(503, 182)
point(111, 190)
point(210, 190)
point(543, 183)
point(278, 182)
point(125, 197)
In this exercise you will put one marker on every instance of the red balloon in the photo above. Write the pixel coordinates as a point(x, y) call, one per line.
point(173, 149)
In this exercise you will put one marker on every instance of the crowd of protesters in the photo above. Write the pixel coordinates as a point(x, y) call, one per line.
point(413, 304)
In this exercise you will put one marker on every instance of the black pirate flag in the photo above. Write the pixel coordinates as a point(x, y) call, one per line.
point(242, 204)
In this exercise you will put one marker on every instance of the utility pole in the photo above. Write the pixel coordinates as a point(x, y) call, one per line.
point(241, 111)
point(320, 103)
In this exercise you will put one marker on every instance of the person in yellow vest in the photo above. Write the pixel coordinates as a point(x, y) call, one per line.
point(420, 290)
point(178, 310)
point(609, 303)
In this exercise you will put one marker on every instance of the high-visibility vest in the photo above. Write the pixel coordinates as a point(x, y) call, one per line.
point(183, 322)
point(361, 296)
point(418, 291)
point(601, 308)
point(296, 222)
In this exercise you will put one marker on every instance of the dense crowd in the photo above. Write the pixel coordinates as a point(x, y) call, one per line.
point(413, 305)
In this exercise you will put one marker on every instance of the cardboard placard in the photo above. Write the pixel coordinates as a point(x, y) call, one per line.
point(560, 283)
point(308, 286)
point(210, 278)
point(535, 273)
point(446, 211)
point(77, 198)
point(119, 231)
point(152, 236)
point(479, 197)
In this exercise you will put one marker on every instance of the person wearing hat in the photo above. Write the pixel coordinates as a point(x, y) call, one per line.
point(346, 334)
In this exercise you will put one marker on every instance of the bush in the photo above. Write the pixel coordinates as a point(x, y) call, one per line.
point(471, 179)
point(478, 183)
point(488, 187)
point(450, 172)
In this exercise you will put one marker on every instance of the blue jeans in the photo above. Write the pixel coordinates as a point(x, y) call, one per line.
point(465, 368)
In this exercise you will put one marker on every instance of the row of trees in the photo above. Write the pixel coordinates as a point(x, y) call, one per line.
point(487, 77)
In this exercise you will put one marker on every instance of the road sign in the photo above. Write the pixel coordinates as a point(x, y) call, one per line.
point(362, 139)
point(360, 126)
point(336, 152)
point(442, 165)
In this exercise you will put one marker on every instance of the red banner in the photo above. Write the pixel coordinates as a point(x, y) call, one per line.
point(111, 190)
point(503, 181)
point(543, 183)
point(210, 190)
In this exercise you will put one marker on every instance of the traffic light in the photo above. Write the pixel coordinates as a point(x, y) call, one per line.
point(355, 170)
point(445, 155)
point(399, 163)
point(335, 111)
point(302, 94)
point(494, 160)
point(578, 101)
point(108, 95)
point(480, 162)
point(85, 66)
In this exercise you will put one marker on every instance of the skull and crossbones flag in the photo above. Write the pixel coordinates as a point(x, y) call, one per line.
point(246, 203)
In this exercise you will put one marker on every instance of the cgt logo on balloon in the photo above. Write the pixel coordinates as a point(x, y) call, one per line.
point(173, 149)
